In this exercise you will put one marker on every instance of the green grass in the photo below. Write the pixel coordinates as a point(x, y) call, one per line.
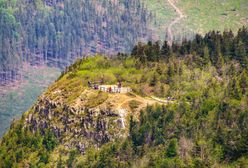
point(202, 16)
point(206, 15)
point(164, 14)
point(111, 72)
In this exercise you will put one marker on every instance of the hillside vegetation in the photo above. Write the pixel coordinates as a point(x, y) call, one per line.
point(205, 126)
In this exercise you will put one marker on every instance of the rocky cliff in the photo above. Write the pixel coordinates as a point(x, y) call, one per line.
point(87, 121)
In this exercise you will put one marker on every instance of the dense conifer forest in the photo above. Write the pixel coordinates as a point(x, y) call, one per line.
point(57, 32)
point(206, 124)
point(214, 48)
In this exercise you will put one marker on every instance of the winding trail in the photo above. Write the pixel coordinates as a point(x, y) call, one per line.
point(180, 17)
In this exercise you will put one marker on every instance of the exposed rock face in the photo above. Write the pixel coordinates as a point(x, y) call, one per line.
point(76, 127)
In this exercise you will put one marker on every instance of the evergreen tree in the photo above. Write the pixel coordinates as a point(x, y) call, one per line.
point(220, 61)
point(172, 149)
point(154, 80)
point(227, 43)
point(240, 53)
point(170, 73)
point(165, 50)
point(233, 89)
point(232, 70)
point(243, 82)
point(206, 56)
point(156, 51)
point(60, 163)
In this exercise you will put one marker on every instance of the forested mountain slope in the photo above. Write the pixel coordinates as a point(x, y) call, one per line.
point(188, 108)
point(57, 32)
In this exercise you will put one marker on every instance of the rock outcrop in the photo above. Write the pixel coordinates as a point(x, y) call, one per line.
point(76, 127)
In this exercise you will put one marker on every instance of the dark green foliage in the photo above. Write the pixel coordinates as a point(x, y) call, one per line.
point(232, 140)
point(151, 128)
point(233, 89)
point(154, 80)
point(71, 158)
point(165, 51)
point(44, 157)
point(60, 163)
point(50, 141)
point(172, 149)
point(214, 48)
point(243, 82)
point(170, 73)
point(22, 143)
point(116, 155)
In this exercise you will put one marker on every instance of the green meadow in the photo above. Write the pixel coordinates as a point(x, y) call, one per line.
point(202, 15)
point(206, 15)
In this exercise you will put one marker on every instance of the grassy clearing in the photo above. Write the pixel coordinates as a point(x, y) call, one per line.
point(206, 15)
point(202, 16)
point(164, 14)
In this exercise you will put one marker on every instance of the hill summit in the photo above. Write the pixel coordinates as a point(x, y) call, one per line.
point(185, 105)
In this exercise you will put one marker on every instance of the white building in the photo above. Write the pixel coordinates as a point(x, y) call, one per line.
point(114, 89)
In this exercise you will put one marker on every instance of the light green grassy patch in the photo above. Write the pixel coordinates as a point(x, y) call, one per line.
point(206, 15)
point(164, 14)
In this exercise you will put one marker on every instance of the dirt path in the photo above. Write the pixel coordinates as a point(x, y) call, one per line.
point(180, 17)
point(160, 100)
